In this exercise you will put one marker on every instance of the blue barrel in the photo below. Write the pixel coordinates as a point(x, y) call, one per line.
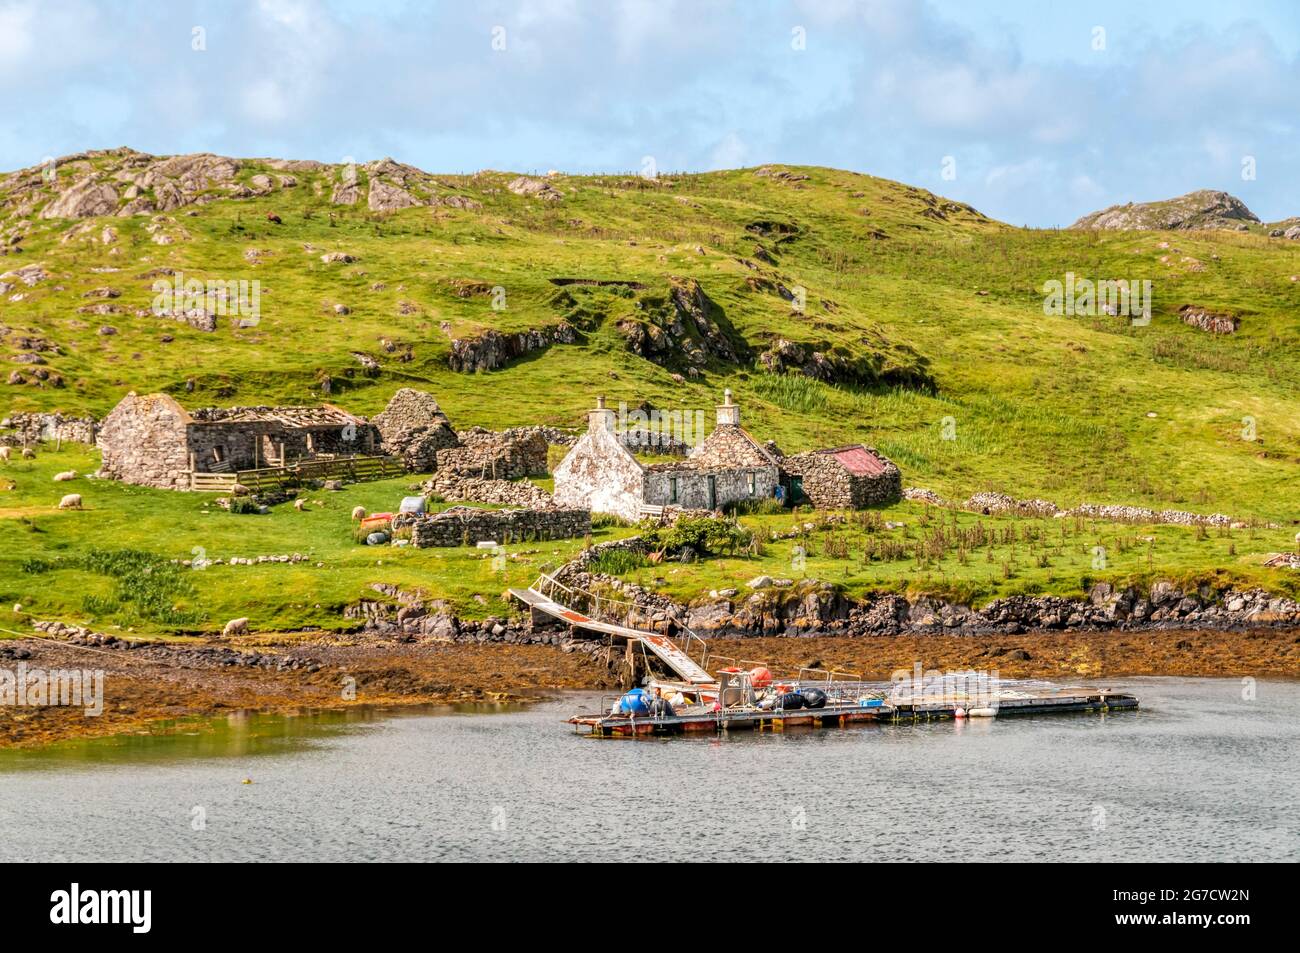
point(635, 702)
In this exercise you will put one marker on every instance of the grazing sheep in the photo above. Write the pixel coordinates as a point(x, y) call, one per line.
point(239, 490)
point(4, 454)
point(29, 453)
point(65, 476)
point(299, 505)
point(235, 627)
point(70, 502)
point(358, 512)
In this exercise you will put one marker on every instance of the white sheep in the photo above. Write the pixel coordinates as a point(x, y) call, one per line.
point(358, 513)
point(29, 453)
point(235, 627)
point(65, 476)
point(70, 502)
point(4, 454)
point(299, 505)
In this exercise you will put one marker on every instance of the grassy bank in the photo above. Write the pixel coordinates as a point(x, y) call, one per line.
point(110, 564)
point(59, 564)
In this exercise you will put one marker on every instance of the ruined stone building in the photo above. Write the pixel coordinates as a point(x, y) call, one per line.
point(602, 475)
point(489, 455)
point(414, 428)
point(152, 440)
point(841, 478)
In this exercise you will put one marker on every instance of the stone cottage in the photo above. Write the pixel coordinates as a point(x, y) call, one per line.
point(152, 440)
point(849, 477)
point(602, 475)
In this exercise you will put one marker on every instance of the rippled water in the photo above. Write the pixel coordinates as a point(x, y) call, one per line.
point(1197, 774)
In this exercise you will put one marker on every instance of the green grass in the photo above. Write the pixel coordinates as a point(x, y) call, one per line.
point(1072, 409)
point(109, 564)
point(974, 559)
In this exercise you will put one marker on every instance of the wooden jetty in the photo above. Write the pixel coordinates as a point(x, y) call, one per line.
point(732, 700)
point(658, 644)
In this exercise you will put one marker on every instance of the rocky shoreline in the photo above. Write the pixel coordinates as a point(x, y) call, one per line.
point(809, 608)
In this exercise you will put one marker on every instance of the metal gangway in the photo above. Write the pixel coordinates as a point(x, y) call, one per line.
point(541, 597)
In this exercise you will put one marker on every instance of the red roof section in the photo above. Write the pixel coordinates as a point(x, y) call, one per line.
point(858, 460)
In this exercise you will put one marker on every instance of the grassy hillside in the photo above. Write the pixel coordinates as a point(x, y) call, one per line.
point(927, 310)
point(1043, 405)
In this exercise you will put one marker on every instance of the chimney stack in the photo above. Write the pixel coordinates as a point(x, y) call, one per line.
point(728, 413)
point(601, 418)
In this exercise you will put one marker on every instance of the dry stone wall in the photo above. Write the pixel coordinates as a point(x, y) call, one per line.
point(464, 525)
point(33, 428)
point(495, 456)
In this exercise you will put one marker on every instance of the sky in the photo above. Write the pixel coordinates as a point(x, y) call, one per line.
point(1033, 111)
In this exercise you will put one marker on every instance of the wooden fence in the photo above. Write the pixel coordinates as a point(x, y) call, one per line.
point(353, 469)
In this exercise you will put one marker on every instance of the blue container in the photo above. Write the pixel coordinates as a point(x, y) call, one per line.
point(635, 702)
point(870, 702)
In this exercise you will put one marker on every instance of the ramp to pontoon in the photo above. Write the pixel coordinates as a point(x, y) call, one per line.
point(664, 648)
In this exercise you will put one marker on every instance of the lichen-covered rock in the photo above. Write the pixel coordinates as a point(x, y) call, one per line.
point(534, 188)
point(1206, 208)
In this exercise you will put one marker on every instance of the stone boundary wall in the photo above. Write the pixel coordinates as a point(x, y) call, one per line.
point(495, 456)
point(33, 428)
point(461, 489)
point(464, 525)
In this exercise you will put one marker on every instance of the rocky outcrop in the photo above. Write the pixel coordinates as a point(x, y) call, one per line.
point(83, 199)
point(384, 197)
point(492, 350)
point(682, 327)
point(126, 182)
point(1204, 209)
point(29, 275)
point(810, 607)
point(1215, 322)
point(534, 188)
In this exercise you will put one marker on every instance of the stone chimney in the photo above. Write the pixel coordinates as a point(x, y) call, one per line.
point(601, 418)
point(728, 413)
